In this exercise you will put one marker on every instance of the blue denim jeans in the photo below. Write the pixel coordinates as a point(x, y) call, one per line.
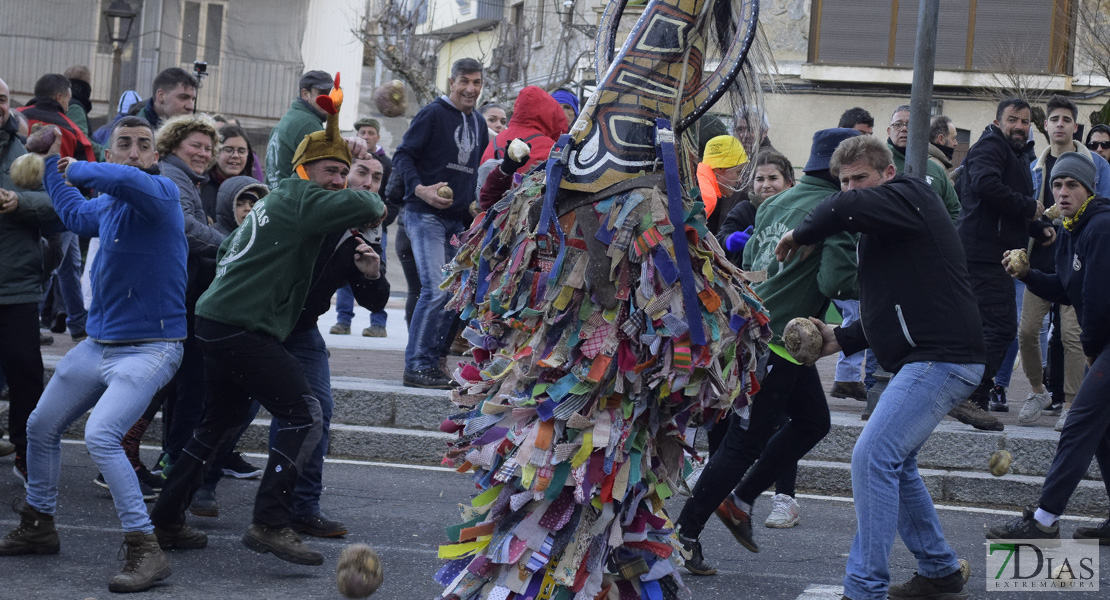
point(308, 347)
point(430, 236)
point(849, 369)
point(887, 489)
point(117, 383)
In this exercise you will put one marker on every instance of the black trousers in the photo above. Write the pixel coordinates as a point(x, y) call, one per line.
point(1086, 434)
point(21, 361)
point(787, 389)
point(994, 290)
point(240, 366)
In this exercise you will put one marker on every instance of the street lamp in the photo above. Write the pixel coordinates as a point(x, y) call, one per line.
point(118, 18)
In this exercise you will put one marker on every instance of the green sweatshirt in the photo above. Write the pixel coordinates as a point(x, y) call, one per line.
point(935, 176)
point(295, 124)
point(264, 269)
point(801, 287)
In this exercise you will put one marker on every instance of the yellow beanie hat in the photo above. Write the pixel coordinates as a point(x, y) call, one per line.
point(724, 152)
point(328, 143)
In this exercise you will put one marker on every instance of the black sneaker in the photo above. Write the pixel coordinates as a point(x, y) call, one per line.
point(739, 523)
point(1024, 527)
point(319, 525)
point(1053, 410)
point(694, 561)
point(968, 412)
point(149, 493)
point(236, 466)
point(283, 543)
point(154, 482)
point(919, 587)
point(204, 503)
point(998, 399)
point(431, 378)
point(1100, 533)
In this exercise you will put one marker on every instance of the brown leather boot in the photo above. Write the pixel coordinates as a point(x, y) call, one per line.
point(36, 534)
point(146, 565)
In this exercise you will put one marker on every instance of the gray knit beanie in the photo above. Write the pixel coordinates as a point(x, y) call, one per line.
point(1076, 166)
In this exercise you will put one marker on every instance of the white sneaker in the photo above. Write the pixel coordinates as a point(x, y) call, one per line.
point(784, 513)
point(1034, 404)
point(1060, 422)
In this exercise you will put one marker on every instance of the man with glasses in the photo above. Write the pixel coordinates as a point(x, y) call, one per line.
point(1098, 140)
point(898, 134)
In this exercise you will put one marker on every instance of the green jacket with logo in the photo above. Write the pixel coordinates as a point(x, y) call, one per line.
point(801, 287)
point(264, 269)
point(937, 178)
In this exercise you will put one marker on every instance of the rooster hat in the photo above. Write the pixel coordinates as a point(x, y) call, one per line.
point(319, 145)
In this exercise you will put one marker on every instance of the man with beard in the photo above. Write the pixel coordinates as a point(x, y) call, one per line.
point(942, 142)
point(998, 211)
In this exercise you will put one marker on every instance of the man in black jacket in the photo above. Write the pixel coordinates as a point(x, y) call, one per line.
point(1082, 262)
point(920, 319)
point(996, 191)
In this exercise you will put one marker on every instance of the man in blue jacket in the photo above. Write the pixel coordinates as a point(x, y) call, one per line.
point(427, 161)
point(136, 324)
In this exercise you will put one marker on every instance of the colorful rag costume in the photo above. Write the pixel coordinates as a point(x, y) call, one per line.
point(604, 320)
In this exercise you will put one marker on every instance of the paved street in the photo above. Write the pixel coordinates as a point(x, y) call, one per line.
point(401, 510)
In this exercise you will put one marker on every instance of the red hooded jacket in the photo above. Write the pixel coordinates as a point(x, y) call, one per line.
point(538, 120)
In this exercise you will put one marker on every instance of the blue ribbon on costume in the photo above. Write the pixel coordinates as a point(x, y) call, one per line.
point(664, 149)
point(556, 162)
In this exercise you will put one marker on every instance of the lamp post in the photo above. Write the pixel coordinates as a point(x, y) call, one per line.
point(118, 18)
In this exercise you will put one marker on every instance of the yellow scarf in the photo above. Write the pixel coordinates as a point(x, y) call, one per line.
point(1070, 224)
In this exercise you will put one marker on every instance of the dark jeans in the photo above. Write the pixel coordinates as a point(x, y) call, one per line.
point(994, 290)
point(21, 361)
point(241, 365)
point(186, 406)
point(787, 480)
point(1055, 374)
point(787, 389)
point(408, 266)
point(1086, 434)
point(797, 390)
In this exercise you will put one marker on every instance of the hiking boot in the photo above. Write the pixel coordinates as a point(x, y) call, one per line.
point(784, 513)
point(693, 559)
point(431, 378)
point(739, 523)
point(1100, 532)
point(340, 329)
point(374, 331)
point(1061, 421)
point(967, 412)
point(283, 543)
point(1024, 527)
point(204, 503)
point(182, 537)
point(919, 587)
point(998, 399)
point(236, 466)
point(19, 468)
point(6, 448)
point(149, 493)
point(319, 525)
point(146, 565)
point(1034, 404)
point(849, 389)
point(35, 534)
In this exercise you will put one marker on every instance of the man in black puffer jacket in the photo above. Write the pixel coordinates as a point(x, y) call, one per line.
point(996, 191)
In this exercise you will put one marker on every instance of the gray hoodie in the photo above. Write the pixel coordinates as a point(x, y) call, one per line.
point(225, 200)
